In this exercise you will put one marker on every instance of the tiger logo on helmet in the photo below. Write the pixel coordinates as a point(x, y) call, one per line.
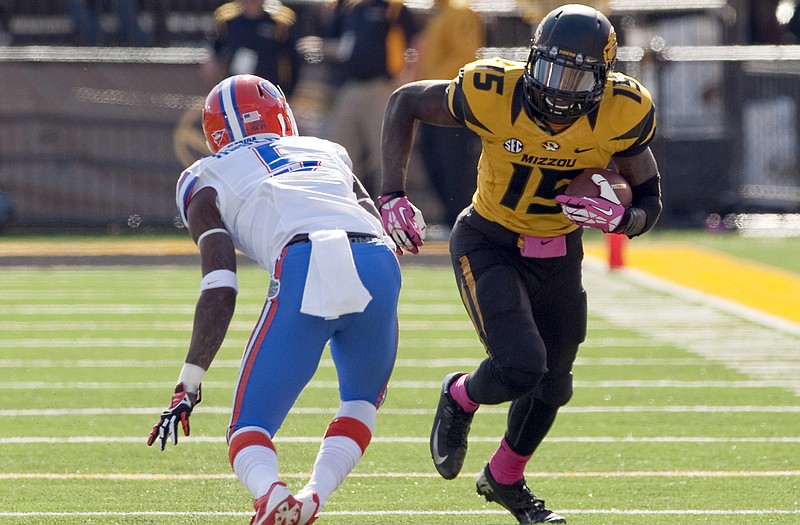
point(245, 105)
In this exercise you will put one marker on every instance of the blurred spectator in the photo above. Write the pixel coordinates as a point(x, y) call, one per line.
point(792, 34)
point(451, 38)
point(6, 209)
point(533, 11)
point(764, 26)
point(84, 14)
point(5, 33)
point(366, 43)
point(254, 37)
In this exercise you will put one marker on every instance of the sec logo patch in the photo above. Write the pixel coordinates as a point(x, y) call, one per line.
point(513, 145)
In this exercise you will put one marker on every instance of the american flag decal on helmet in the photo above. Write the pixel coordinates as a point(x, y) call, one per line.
point(251, 116)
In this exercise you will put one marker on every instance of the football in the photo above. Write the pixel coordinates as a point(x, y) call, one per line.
point(584, 186)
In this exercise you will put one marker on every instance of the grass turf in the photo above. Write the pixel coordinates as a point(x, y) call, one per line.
point(76, 342)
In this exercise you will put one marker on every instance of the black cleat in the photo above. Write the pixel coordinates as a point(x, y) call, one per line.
point(517, 499)
point(449, 433)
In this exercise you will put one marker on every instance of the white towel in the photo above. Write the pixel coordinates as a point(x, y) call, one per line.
point(333, 287)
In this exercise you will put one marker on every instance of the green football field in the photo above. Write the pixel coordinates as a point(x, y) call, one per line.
point(684, 411)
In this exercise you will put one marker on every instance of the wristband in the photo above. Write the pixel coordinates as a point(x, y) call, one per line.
point(386, 197)
point(219, 279)
point(191, 376)
point(211, 232)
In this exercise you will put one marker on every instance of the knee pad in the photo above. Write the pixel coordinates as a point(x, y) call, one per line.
point(492, 383)
point(555, 390)
point(518, 381)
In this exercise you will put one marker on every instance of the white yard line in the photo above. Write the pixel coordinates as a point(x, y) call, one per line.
point(405, 385)
point(635, 409)
point(405, 440)
point(328, 363)
point(759, 345)
point(431, 475)
point(402, 475)
point(484, 512)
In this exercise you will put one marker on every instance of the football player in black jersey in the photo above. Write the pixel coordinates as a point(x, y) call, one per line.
point(517, 249)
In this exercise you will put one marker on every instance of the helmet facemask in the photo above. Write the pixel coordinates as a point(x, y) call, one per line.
point(560, 91)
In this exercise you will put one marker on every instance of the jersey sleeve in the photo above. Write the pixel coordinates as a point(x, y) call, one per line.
point(480, 97)
point(187, 184)
point(636, 127)
point(455, 97)
point(340, 152)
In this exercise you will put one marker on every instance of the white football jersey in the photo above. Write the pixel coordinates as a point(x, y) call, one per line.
point(271, 188)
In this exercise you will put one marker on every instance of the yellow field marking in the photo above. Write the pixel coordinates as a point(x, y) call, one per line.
point(758, 286)
point(768, 289)
point(70, 248)
point(80, 248)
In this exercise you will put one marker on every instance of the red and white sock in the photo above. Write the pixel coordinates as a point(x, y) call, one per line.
point(254, 459)
point(345, 441)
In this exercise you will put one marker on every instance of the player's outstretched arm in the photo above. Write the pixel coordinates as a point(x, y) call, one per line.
point(417, 101)
point(213, 313)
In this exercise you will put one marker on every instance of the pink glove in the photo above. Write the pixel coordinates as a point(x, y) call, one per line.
point(402, 221)
point(603, 212)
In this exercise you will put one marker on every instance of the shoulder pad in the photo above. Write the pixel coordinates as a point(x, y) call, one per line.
point(227, 11)
point(282, 15)
point(493, 62)
point(628, 88)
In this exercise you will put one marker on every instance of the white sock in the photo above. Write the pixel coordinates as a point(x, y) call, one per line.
point(339, 454)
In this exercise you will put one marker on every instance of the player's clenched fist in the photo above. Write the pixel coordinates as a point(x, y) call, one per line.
point(178, 410)
point(402, 221)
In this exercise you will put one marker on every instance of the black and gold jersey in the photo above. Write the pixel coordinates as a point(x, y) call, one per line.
point(523, 167)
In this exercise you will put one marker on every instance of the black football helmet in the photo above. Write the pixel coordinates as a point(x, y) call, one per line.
point(572, 53)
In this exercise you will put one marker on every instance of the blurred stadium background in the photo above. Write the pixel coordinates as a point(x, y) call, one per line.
point(94, 137)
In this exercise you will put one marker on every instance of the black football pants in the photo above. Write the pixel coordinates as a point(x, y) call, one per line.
point(530, 315)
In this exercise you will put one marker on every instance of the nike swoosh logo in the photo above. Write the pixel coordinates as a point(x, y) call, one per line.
point(437, 459)
point(583, 150)
point(546, 241)
point(608, 212)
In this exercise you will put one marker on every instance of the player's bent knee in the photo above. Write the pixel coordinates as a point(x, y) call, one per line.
point(356, 421)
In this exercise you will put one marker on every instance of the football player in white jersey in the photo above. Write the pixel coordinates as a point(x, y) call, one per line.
point(293, 205)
